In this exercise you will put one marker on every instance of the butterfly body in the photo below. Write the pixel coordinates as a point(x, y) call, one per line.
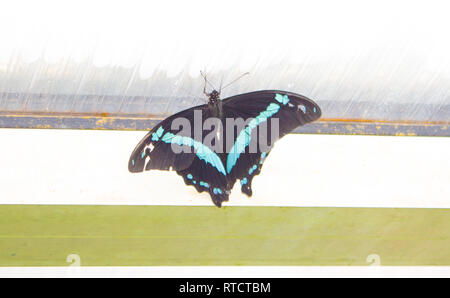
point(211, 154)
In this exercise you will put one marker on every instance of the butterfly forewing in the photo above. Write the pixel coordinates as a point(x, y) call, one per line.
point(154, 153)
point(270, 115)
point(179, 149)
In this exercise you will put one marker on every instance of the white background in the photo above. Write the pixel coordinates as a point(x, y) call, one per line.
point(90, 167)
point(379, 51)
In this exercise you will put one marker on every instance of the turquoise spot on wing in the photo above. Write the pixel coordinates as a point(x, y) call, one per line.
point(244, 181)
point(204, 184)
point(160, 131)
point(243, 139)
point(189, 176)
point(142, 154)
point(303, 108)
point(203, 152)
point(132, 162)
point(315, 110)
point(263, 156)
point(252, 169)
point(217, 191)
point(284, 99)
point(193, 181)
point(157, 135)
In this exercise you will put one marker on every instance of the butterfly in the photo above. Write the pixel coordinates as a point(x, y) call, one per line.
point(211, 154)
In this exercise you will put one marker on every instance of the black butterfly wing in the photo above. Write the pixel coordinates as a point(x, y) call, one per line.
point(205, 179)
point(295, 109)
point(153, 153)
point(264, 111)
point(246, 177)
point(164, 148)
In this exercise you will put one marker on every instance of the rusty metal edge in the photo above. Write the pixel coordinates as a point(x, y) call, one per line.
point(323, 126)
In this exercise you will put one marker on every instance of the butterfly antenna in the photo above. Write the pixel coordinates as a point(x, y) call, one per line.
point(206, 82)
point(244, 74)
point(220, 87)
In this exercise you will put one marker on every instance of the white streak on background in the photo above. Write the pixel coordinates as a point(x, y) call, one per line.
point(230, 271)
point(90, 168)
point(377, 51)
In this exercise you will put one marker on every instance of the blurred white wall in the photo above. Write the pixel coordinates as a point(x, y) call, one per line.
point(340, 53)
point(90, 168)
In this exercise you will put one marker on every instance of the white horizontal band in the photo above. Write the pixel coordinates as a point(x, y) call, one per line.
point(90, 168)
point(229, 271)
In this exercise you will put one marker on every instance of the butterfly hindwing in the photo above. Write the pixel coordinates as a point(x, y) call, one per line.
point(204, 177)
point(246, 177)
point(207, 180)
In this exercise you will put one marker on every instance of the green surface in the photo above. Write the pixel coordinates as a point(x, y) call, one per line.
point(38, 235)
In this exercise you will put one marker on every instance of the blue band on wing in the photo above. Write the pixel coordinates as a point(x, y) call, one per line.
point(157, 135)
point(203, 152)
point(243, 139)
point(284, 99)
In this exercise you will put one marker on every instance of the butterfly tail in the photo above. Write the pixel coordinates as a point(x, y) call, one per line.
point(219, 198)
point(247, 189)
